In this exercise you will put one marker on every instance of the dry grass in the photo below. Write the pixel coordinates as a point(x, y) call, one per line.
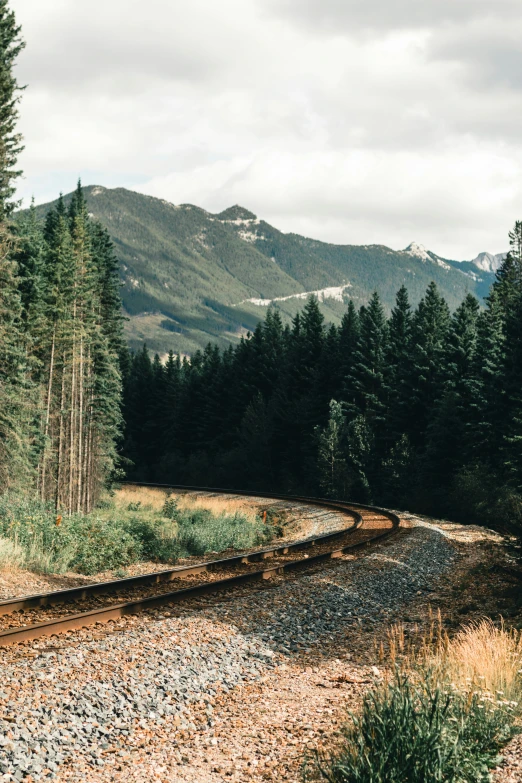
point(217, 505)
point(481, 657)
point(488, 658)
point(154, 498)
point(148, 496)
point(12, 556)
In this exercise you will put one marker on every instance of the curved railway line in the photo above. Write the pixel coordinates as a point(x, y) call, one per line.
point(31, 617)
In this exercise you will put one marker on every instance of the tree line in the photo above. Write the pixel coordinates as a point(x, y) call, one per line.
point(422, 409)
point(67, 326)
point(60, 331)
point(60, 380)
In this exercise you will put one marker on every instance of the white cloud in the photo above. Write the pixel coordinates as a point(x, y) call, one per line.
point(350, 121)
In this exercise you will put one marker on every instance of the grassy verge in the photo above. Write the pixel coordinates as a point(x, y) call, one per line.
point(442, 715)
point(122, 532)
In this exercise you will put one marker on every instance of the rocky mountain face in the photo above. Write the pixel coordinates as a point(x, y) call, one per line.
point(190, 276)
point(487, 262)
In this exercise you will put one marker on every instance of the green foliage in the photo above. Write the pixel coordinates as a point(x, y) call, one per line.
point(331, 461)
point(112, 538)
point(419, 410)
point(200, 532)
point(61, 313)
point(11, 44)
point(421, 732)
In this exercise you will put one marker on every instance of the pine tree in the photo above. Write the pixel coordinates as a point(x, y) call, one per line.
point(331, 462)
point(508, 288)
point(11, 44)
point(485, 415)
point(16, 405)
point(78, 344)
point(446, 439)
point(422, 383)
point(399, 345)
point(29, 254)
point(296, 405)
point(348, 336)
point(397, 452)
point(508, 282)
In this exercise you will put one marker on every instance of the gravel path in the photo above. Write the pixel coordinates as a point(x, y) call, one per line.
point(123, 702)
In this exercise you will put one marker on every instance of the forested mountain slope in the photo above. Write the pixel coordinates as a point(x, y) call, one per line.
point(190, 276)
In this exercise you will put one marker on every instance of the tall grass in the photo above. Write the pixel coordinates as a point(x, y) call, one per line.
point(117, 535)
point(155, 497)
point(487, 658)
point(421, 730)
point(443, 714)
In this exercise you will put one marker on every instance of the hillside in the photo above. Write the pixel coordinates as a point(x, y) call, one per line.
point(189, 276)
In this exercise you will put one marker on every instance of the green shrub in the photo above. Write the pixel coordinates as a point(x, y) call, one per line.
point(100, 546)
point(12, 554)
point(200, 532)
point(420, 732)
point(113, 538)
point(31, 525)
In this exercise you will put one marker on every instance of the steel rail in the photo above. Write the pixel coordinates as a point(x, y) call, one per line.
point(115, 611)
point(80, 593)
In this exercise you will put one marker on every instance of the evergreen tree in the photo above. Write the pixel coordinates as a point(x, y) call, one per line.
point(11, 44)
point(423, 379)
point(29, 254)
point(16, 402)
point(399, 347)
point(446, 446)
point(331, 463)
point(367, 376)
point(16, 405)
point(508, 288)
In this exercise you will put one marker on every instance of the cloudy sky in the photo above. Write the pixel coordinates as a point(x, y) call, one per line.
point(354, 121)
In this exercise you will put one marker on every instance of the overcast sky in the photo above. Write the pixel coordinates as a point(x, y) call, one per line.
point(353, 121)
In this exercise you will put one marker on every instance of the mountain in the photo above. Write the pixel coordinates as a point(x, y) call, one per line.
point(487, 262)
point(190, 276)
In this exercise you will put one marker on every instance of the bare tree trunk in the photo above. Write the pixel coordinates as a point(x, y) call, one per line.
point(60, 442)
point(41, 472)
point(72, 421)
point(80, 429)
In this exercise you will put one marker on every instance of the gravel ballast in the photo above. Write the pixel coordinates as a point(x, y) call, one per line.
point(74, 712)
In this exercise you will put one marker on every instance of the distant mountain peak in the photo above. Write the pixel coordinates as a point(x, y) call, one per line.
point(419, 251)
point(236, 214)
point(489, 262)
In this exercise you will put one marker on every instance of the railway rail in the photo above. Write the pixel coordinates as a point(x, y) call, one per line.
point(149, 591)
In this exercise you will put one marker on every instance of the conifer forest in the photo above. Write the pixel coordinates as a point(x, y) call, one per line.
point(420, 409)
point(292, 553)
point(60, 332)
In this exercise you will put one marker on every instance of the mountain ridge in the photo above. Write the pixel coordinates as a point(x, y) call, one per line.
point(190, 276)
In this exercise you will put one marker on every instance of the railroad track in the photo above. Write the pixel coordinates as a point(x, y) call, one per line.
point(28, 618)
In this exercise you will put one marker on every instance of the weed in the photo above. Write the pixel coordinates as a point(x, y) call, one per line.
point(420, 730)
point(448, 708)
point(120, 532)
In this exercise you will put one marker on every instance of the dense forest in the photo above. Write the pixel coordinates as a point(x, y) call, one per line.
point(421, 410)
point(60, 331)
point(66, 326)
